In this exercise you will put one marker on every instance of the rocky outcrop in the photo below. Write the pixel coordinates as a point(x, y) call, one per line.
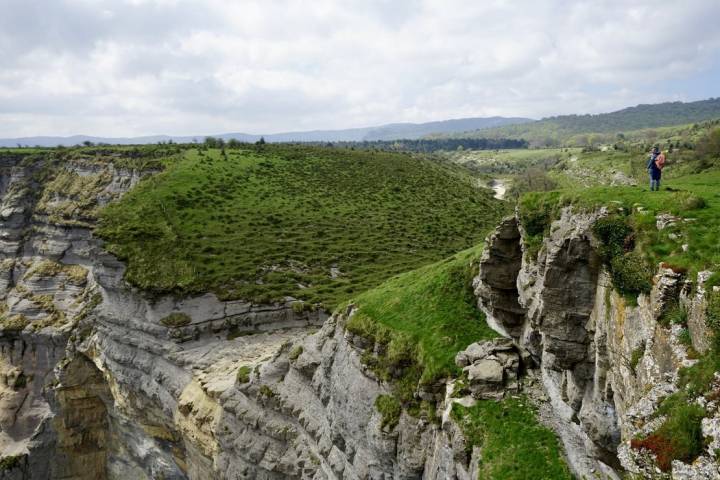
point(604, 363)
point(492, 368)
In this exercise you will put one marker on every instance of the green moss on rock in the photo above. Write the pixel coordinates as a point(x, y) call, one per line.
point(176, 319)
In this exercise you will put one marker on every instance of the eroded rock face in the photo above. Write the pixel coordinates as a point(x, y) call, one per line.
point(604, 364)
point(496, 284)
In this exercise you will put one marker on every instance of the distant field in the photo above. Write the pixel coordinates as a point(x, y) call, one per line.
point(493, 163)
point(313, 223)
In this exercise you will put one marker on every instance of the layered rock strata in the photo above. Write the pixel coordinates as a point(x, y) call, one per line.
point(604, 363)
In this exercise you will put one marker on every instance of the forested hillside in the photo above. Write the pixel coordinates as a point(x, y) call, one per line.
point(574, 130)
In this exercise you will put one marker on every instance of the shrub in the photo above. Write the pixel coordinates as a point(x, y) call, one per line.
point(10, 462)
point(298, 307)
point(243, 374)
point(389, 408)
point(613, 234)
point(680, 435)
point(176, 319)
point(266, 391)
point(676, 315)
point(630, 274)
point(685, 338)
point(20, 381)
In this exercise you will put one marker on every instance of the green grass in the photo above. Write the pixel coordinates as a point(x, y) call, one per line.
point(514, 445)
point(265, 223)
point(423, 318)
point(678, 197)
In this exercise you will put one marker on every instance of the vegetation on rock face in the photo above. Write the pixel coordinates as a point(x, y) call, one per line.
point(271, 221)
point(680, 435)
point(176, 319)
point(390, 409)
point(295, 353)
point(11, 461)
point(243, 374)
point(514, 446)
point(76, 274)
point(636, 356)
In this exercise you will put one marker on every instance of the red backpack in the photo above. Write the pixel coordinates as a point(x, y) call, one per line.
point(660, 161)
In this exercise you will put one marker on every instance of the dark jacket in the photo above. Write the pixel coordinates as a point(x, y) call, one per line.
point(652, 167)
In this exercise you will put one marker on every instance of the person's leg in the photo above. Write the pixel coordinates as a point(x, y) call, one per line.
point(652, 183)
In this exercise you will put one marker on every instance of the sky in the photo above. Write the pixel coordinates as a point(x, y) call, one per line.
point(193, 67)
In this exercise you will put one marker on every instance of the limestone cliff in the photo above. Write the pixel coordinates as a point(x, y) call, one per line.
point(605, 364)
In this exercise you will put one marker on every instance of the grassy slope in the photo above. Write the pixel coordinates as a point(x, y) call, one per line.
point(514, 445)
point(266, 223)
point(433, 307)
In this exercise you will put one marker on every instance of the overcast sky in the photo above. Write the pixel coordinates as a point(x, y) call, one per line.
point(139, 67)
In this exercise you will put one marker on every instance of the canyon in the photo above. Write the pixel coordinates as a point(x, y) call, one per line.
point(99, 379)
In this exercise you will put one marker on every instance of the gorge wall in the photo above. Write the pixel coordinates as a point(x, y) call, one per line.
point(605, 363)
point(98, 380)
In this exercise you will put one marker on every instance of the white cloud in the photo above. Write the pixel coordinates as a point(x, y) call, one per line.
point(193, 67)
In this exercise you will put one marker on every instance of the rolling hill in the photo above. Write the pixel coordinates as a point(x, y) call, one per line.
point(573, 129)
point(314, 223)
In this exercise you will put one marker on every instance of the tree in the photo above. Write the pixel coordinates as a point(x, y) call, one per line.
point(212, 142)
point(261, 141)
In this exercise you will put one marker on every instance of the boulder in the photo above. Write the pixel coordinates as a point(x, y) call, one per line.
point(492, 367)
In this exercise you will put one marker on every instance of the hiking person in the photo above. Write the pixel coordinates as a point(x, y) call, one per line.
point(653, 169)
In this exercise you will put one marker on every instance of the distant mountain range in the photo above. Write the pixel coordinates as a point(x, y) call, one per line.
point(393, 131)
point(551, 131)
point(562, 129)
